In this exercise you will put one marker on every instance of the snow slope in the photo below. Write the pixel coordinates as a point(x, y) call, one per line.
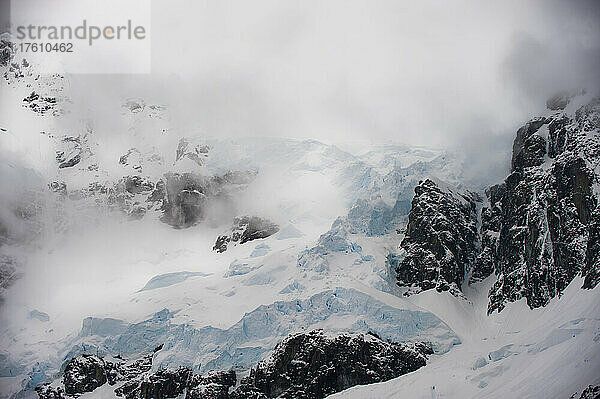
point(550, 352)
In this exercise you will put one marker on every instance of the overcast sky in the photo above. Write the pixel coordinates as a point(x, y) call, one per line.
point(424, 72)
point(432, 73)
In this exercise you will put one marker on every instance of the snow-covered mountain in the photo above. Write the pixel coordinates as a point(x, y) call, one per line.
point(151, 262)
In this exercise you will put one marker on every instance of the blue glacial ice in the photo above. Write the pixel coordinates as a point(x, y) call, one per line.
point(256, 334)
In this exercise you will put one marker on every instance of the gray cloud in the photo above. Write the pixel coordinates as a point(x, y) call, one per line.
point(426, 73)
point(539, 69)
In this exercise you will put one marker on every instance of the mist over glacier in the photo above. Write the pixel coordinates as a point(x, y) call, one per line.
point(347, 167)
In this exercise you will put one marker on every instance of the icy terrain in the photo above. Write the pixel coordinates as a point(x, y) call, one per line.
point(224, 309)
point(108, 241)
point(551, 352)
point(96, 277)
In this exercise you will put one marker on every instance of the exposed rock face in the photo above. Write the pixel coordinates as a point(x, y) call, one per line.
point(591, 268)
point(137, 184)
point(528, 149)
point(72, 150)
point(41, 104)
point(541, 227)
point(86, 373)
point(162, 384)
point(491, 222)
point(184, 198)
point(244, 229)
point(195, 152)
point(45, 96)
point(213, 385)
point(132, 158)
point(7, 49)
point(314, 365)
point(591, 392)
point(303, 365)
point(440, 241)
point(134, 380)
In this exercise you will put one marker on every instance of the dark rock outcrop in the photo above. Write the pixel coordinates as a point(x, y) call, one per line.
point(86, 373)
point(305, 365)
point(72, 150)
point(173, 383)
point(591, 268)
point(527, 149)
point(591, 392)
point(184, 198)
point(244, 229)
point(314, 365)
point(7, 50)
point(213, 385)
point(132, 158)
point(46, 391)
point(137, 184)
point(134, 380)
point(41, 104)
point(540, 229)
point(159, 385)
point(491, 223)
point(440, 241)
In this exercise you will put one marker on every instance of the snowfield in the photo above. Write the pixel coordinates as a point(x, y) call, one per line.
point(551, 352)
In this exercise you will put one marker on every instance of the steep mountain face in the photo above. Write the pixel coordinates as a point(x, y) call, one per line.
point(440, 240)
point(540, 229)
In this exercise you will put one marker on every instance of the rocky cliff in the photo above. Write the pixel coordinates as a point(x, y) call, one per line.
point(539, 229)
point(440, 240)
point(541, 224)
